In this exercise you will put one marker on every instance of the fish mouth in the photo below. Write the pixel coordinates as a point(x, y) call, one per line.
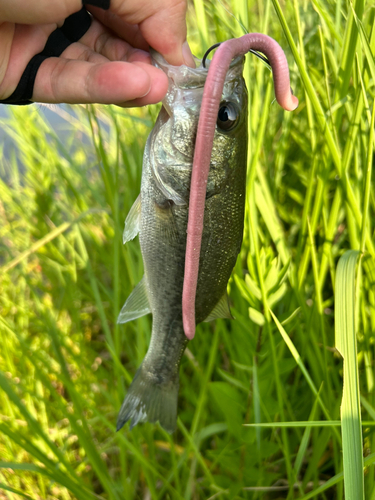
point(185, 77)
point(189, 80)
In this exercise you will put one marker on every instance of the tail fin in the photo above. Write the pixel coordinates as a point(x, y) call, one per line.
point(148, 400)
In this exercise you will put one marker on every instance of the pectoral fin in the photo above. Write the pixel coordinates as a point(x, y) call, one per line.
point(221, 310)
point(132, 222)
point(136, 305)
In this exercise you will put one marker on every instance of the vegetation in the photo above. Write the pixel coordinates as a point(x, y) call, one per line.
point(65, 363)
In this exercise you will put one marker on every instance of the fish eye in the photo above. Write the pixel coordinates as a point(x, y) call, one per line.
point(228, 116)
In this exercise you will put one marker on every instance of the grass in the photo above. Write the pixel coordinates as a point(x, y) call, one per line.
point(64, 274)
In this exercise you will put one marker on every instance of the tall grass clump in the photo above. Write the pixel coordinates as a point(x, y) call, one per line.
point(296, 365)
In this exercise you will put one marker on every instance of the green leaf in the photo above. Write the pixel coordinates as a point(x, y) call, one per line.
point(231, 404)
point(256, 316)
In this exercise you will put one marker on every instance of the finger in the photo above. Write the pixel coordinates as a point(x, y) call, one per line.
point(165, 31)
point(25, 42)
point(80, 52)
point(103, 41)
point(71, 81)
point(126, 31)
point(161, 25)
point(41, 12)
point(158, 89)
point(6, 39)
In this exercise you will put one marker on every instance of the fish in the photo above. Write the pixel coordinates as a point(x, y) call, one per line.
point(160, 217)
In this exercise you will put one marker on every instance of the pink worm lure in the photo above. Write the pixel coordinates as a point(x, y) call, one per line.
point(212, 93)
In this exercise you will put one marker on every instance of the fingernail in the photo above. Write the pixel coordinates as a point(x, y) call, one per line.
point(187, 55)
point(144, 95)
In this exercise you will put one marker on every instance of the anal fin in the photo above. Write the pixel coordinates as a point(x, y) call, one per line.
point(221, 310)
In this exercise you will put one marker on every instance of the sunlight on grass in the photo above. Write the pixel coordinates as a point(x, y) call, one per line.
point(260, 396)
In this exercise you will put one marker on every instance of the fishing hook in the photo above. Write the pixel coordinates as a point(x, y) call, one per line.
point(258, 54)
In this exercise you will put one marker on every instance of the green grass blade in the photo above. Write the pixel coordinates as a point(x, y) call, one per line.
point(301, 365)
point(346, 344)
point(306, 423)
point(366, 199)
point(4, 487)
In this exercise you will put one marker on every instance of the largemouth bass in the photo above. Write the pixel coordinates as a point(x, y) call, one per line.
point(160, 216)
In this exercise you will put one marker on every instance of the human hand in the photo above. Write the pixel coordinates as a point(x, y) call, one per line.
point(109, 64)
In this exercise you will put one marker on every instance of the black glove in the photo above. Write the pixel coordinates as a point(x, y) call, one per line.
point(103, 4)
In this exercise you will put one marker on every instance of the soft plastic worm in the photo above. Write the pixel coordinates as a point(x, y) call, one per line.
point(212, 93)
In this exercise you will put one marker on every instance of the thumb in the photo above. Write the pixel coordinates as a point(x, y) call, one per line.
point(165, 31)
